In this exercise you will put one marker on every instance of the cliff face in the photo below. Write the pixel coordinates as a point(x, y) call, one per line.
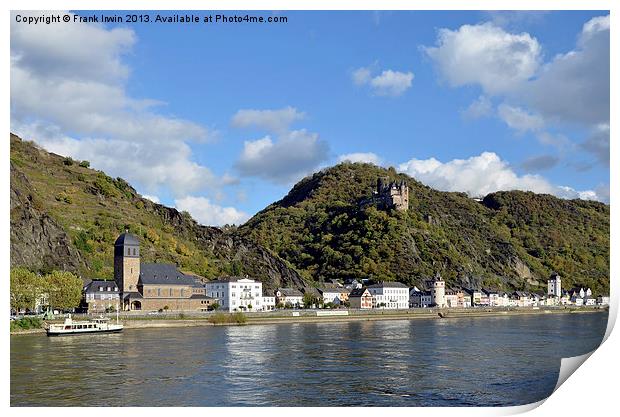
point(65, 215)
point(37, 241)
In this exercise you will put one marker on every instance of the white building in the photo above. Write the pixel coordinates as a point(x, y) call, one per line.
point(269, 303)
point(554, 285)
point(389, 295)
point(331, 295)
point(602, 300)
point(236, 293)
point(437, 287)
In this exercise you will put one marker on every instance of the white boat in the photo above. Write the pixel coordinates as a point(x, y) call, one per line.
point(70, 327)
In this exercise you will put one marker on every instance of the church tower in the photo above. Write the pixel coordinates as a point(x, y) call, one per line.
point(127, 263)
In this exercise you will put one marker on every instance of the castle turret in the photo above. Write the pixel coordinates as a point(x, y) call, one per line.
point(439, 291)
point(127, 263)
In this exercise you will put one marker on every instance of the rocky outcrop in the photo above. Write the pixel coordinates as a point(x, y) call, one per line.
point(37, 241)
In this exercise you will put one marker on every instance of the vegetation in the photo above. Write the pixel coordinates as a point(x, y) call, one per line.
point(510, 241)
point(228, 318)
point(59, 290)
point(26, 323)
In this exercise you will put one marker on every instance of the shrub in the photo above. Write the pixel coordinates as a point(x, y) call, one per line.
point(67, 161)
point(26, 323)
point(85, 164)
point(223, 318)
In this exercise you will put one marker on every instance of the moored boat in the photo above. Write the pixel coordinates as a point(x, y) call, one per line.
point(70, 327)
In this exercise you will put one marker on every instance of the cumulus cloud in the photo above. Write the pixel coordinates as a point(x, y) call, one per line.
point(368, 157)
point(574, 87)
point(277, 121)
point(483, 174)
point(388, 83)
point(519, 119)
point(487, 55)
point(68, 93)
point(289, 158)
point(209, 214)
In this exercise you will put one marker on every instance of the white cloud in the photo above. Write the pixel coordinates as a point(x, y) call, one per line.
point(289, 158)
point(277, 121)
point(207, 213)
point(519, 119)
point(574, 87)
point(481, 107)
point(487, 55)
point(389, 83)
point(72, 78)
point(153, 198)
point(367, 157)
point(362, 76)
point(483, 174)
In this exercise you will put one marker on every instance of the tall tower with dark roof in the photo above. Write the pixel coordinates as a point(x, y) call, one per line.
point(127, 262)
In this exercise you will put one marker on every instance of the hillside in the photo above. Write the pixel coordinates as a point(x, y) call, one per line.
point(510, 240)
point(65, 215)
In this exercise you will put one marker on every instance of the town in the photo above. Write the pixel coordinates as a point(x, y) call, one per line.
point(158, 287)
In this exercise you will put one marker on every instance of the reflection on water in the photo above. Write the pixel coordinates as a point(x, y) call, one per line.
point(482, 361)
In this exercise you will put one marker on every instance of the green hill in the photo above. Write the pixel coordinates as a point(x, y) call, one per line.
point(510, 240)
point(65, 215)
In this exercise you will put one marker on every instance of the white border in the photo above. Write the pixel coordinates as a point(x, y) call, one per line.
point(590, 390)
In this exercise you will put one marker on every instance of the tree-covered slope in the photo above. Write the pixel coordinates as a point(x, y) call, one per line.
point(67, 216)
point(511, 240)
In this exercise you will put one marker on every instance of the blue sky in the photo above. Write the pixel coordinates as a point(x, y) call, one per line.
point(221, 120)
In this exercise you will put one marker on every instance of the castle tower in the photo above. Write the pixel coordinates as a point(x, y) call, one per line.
point(439, 291)
point(554, 285)
point(127, 263)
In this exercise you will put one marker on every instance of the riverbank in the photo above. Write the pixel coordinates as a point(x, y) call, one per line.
point(310, 316)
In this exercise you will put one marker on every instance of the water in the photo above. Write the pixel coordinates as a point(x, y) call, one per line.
point(495, 361)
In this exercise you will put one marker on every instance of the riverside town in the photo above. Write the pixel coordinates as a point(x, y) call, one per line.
point(152, 288)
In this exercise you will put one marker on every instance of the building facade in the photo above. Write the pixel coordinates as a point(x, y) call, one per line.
point(237, 293)
point(99, 296)
point(389, 295)
point(360, 298)
point(554, 285)
point(289, 297)
point(154, 286)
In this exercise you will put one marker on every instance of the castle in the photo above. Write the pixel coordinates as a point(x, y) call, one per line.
point(390, 194)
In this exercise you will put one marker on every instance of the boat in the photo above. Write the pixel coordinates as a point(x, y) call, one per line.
point(70, 327)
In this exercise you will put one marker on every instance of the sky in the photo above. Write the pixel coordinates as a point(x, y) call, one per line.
point(222, 119)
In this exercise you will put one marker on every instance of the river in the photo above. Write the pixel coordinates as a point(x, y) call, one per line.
point(491, 361)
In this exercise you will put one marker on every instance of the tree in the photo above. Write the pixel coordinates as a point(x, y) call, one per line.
point(26, 288)
point(309, 300)
point(65, 289)
point(85, 164)
point(249, 306)
point(215, 306)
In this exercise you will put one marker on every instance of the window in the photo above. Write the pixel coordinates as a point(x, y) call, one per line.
point(134, 251)
point(159, 292)
point(100, 288)
point(182, 291)
point(170, 292)
point(128, 251)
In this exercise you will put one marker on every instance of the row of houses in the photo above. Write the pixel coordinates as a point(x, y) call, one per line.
point(245, 294)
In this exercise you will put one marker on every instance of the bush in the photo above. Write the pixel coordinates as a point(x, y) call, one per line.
point(85, 164)
point(67, 161)
point(26, 323)
point(223, 318)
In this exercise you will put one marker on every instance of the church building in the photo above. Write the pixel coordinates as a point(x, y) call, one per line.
point(153, 286)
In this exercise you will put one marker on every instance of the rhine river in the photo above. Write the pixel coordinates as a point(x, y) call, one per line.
point(491, 361)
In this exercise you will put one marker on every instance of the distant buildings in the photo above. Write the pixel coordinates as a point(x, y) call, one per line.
point(389, 295)
point(237, 293)
point(289, 297)
point(554, 285)
point(361, 298)
point(99, 296)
